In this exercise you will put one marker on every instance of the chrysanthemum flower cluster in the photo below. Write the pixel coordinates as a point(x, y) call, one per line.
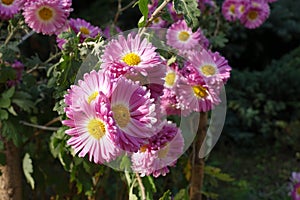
point(49, 17)
point(295, 186)
point(123, 109)
point(251, 13)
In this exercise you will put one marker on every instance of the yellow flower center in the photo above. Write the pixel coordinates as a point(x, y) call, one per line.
point(242, 9)
point(232, 9)
point(298, 191)
point(143, 148)
point(96, 128)
point(156, 20)
point(200, 91)
point(7, 2)
point(92, 97)
point(208, 70)
point(170, 78)
point(45, 13)
point(183, 36)
point(252, 15)
point(84, 30)
point(131, 59)
point(121, 115)
point(164, 151)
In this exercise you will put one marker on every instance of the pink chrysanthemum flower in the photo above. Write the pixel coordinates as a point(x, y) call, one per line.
point(295, 186)
point(295, 193)
point(85, 29)
point(134, 113)
point(181, 37)
point(255, 14)
point(88, 89)
point(211, 67)
point(131, 54)
point(233, 9)
point(8, 8)
point(93, 131)
point(158, 22)
point(45, 16)
point(195, 95)
point(162, 151)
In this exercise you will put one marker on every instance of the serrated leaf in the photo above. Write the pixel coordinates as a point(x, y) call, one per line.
point(166, 195)
point(143, 6)
point(3, 114)
point(10, 130)
point(24, 104)
point(190, 11)
point(28, 169)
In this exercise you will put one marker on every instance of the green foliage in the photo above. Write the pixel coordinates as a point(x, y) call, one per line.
point(143, 6)
point(166, 195)
point(190, 11)
point(28, 169)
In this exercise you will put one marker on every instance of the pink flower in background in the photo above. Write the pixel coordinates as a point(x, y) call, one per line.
point(204, 4)
point(255, 14)
point(111, 30)
point(8, 8)
point(231, 9)
point(162, 151)
point(93, 131)
point(19, 67)
point(85, 29)
point(295, 186)
point(181, 37)
point(45, 16)
point(158, 22)
point(211, 67)
point(131, 54)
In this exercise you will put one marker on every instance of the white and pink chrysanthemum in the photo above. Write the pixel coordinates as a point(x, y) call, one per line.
point(123, 55)
point(255, 14)
point(158, 22)
point(196, 95)
point(134, 113)
point(204, 4)
point(45, 16)
point(231, 9)
point(88, 89)
point(182, 38)
point(8, 8)
point(162, 151)
point(211, 67)
point(93, 131)
point(85, 28)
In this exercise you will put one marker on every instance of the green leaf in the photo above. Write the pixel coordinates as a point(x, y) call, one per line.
point(132, 196)
point(190, 11)
point(9, 93)
point(3, 114)
point(149, 187)
point(10, 130)
point(143, 6)
point(166, 196)
point(28, 169)
point(182, 195)
point(4, 102)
